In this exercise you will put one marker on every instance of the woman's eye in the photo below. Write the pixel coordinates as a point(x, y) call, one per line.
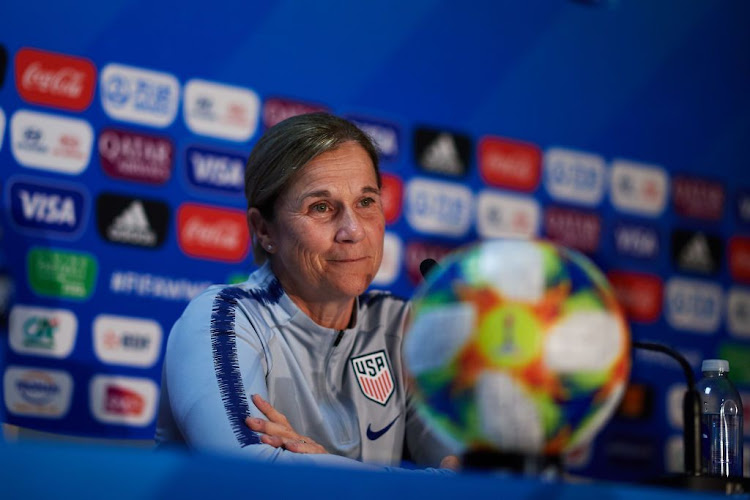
point(320, 207)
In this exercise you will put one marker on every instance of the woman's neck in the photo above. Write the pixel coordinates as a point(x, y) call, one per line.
point(330, 314)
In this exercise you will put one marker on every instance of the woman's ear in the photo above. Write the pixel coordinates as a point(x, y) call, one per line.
point(259, 229)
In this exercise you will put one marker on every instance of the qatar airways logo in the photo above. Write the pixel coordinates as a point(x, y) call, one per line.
point(219, 110)
point(276, 110)
point(123, 400)
point(418, 251)
point(698, 198)
point(52, 79)
point(574, 228)
point(135, 157)
point(212, 233)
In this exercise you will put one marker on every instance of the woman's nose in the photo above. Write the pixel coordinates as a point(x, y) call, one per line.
point(350, 227)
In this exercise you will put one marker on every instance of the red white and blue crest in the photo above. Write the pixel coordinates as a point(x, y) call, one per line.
point(373, 374)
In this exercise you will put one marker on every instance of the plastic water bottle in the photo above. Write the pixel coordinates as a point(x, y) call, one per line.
point(721, 422)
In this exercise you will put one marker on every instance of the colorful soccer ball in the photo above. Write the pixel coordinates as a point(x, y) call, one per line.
point(517, 347)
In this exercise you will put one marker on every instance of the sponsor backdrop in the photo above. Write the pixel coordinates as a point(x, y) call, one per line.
point(617, 128)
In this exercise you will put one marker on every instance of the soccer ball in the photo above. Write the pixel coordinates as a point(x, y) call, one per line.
point(518, 347)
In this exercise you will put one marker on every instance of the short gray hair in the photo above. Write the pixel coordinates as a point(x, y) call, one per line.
point(285, 149)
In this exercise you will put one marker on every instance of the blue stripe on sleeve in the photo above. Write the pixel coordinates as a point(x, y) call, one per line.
point(226, 364)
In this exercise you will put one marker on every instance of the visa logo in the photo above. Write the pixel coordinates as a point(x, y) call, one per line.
point(46, 208)
point(216, 170)
point(636, 241)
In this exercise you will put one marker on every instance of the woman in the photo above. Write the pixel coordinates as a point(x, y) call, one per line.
point(320, 357)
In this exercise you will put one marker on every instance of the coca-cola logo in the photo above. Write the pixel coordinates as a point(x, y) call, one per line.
point(212, 233)
point(55, 80)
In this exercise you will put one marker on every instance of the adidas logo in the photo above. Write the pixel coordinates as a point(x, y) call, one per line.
point(442, 152)
point(696, 255)
point(132, 226)
point(442, 156)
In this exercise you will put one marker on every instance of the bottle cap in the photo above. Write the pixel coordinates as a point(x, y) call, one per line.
point(715, 365)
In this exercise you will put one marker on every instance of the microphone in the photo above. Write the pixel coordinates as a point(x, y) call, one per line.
point(426, 266)
point(691, 408)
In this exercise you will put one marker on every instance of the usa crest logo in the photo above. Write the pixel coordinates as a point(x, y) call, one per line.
point(374, 376)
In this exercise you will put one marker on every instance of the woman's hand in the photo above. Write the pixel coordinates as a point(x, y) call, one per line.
point(451, 462)
point(277, 431)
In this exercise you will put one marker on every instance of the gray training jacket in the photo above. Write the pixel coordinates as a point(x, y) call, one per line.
point(343, 388)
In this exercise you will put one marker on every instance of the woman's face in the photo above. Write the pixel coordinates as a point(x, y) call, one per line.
point(327, 232)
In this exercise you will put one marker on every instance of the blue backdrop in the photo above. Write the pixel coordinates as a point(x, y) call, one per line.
point(617, 127)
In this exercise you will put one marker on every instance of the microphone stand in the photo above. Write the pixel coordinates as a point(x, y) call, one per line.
point(691, 436)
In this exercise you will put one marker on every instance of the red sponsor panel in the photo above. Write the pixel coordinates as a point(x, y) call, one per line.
point(276, 110)
point(122, 401)
point(510, 164)
point(135, 157)
point(739, 258)
point(698, 198)
point(640, 294)
point(392, 196)
point(417, 251)
point(53, 79)
point(573, 228)
point(213, 233)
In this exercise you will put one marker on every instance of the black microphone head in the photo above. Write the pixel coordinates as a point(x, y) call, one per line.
point(426, 266)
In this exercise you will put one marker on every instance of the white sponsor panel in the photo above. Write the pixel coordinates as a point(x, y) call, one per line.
point(638, 188)
point(219, 110)
point(674, 455)
point(393, 250)
point(127, 341)
point(675, 396)
point(51, 142)
point(42, 331)
point(139, 95)
point(123, 400)
point(436, 207)
point(2, 127)
point(693, 305)
point(37, 392)
point(502, 215)
point(738, 312)
point(574, 176)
